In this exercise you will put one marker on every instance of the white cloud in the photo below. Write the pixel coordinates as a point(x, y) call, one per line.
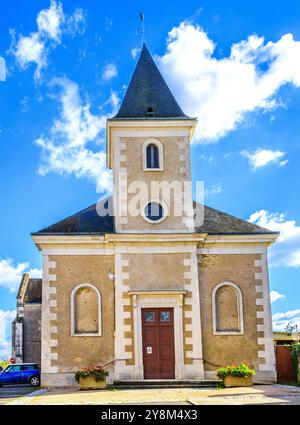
point(281, 320)
point(24, 103)
point(134, 52)
point(2, 69)
point(287, 315)
point(68, 149)
point(10, 279)
point(49, 21)
point(221, 92)
point(262, 157)
point(216, 189)
point(108, 23)
point(75, 24)
point(109, 72)
point(275, 296)
point(31, 50)
point(286, 251)
point(114, 102)
point(6, 317)
point(51, 24)
point(11, 275)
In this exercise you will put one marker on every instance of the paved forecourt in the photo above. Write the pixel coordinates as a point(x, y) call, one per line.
point(258, 394)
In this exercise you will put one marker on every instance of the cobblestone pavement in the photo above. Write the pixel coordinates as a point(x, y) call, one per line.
point(258, 394)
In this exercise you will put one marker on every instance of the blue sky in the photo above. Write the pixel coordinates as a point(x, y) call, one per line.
point(64, 68)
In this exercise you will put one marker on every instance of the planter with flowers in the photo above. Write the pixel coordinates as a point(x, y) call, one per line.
point(236, 376)
point(92, 378)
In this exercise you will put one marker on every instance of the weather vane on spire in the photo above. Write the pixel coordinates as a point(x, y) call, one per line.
point(142, 17)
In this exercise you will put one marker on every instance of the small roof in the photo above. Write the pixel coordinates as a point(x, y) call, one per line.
point(30, 290)
point(148, 95)
point(215, 222)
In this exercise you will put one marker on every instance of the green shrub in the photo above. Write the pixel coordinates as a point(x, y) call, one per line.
point(241, 371)
point(98, 372)
point(295, 356)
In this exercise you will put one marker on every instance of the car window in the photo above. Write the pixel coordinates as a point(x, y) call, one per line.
point(29, 367)
point(15, 368)
point(7, 369)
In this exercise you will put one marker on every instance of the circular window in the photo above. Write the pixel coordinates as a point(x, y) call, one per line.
point(154, 212)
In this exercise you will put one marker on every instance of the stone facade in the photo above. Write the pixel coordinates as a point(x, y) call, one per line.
point(254, 344)
point(149, 275)
point(133, 262)
point(62, 352)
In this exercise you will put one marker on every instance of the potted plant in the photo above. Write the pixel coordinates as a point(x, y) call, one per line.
point(236, 376)
point(92, 378)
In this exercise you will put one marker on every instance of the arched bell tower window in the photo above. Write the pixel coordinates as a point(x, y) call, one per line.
point(153, 155)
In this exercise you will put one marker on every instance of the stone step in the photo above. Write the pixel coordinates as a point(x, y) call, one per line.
point(166, 383)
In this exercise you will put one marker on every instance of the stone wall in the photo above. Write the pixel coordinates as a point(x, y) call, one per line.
point(63, 353)
point(32, 333)
point(156, 272)
point(253, 346)
point(176, 158)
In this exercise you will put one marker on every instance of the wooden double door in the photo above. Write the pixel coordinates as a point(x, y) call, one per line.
point(158, 343)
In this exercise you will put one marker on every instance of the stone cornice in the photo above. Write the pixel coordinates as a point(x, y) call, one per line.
point(108, 241)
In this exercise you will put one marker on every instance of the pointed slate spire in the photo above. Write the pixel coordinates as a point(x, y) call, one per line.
point(148, 95)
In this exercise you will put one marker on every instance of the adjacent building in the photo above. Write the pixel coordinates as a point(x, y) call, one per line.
point(26, 328)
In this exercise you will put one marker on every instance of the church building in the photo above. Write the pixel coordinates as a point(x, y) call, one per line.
point(134, 282)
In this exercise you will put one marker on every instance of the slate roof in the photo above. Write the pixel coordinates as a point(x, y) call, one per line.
point(215, 222)
point(86, 221)
point(219, 223)
point(148, 89)
point(30, 290)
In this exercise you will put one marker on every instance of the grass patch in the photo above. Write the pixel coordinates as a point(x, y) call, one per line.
point(220, 386)
point(112, 388)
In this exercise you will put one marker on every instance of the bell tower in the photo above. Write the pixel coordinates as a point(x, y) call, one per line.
point(148, 148)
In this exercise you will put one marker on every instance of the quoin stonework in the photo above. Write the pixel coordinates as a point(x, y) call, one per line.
point(156, 294)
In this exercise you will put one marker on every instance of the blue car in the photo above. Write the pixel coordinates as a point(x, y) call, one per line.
point(20, 373)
